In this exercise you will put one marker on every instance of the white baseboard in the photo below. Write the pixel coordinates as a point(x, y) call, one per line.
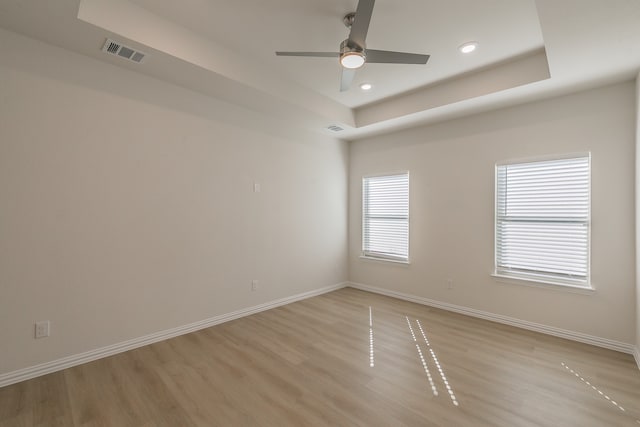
point(636, 354)
point(524, 324)
point(78, 359)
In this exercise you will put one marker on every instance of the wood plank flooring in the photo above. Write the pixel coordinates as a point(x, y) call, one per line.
point(309, 364)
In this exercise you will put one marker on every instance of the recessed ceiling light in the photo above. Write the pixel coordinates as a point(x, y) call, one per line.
point(468, 47)
point(366, 86)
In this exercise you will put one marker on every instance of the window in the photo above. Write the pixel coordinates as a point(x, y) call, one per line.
point(542, 221)
point(385, 217)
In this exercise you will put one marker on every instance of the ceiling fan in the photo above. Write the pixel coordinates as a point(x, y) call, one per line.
point(353, 51)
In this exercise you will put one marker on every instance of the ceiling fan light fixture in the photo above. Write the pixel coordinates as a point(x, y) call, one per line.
point(352, 60)
point(468, 47)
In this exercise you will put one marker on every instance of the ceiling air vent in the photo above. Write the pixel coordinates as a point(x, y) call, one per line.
point(114, 48)
point(335, 128)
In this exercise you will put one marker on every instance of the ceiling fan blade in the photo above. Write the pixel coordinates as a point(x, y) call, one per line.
point(314, 54)
point(347, 77)
point(391, 57)
point(360, 25)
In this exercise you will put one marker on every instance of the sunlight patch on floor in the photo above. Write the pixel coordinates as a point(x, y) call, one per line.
point(371, 359)
point(594, 388)
point(440, 370)
point(422, 359)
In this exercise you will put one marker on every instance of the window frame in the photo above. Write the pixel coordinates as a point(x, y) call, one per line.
point(377, 256)
point(543, 279)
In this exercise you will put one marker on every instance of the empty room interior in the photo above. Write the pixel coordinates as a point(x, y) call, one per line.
point(319, 212)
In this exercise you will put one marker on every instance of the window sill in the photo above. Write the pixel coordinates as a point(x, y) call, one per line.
point(515, 280)
point(395, 261)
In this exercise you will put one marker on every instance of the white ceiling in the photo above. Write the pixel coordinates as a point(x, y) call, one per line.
point(529, 49)
point(433, 27)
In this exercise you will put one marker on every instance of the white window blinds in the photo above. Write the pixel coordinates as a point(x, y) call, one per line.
point(542, 220)
point(386, 216)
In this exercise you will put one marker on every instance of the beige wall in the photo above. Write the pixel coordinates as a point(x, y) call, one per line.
point(127, 205)
point(452, 208)
point(638, 220)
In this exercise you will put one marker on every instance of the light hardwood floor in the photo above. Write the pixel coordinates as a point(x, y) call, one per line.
point(309, 364)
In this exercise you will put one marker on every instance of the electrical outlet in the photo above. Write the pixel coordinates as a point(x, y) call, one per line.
point(449, 283)
point(254, 285)
point(42, 329)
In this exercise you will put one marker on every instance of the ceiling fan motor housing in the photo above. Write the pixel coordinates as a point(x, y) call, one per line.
point(349, 49)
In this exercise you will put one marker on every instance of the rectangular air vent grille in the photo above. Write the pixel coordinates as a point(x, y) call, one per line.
point(335, 128)
point(114, 48)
